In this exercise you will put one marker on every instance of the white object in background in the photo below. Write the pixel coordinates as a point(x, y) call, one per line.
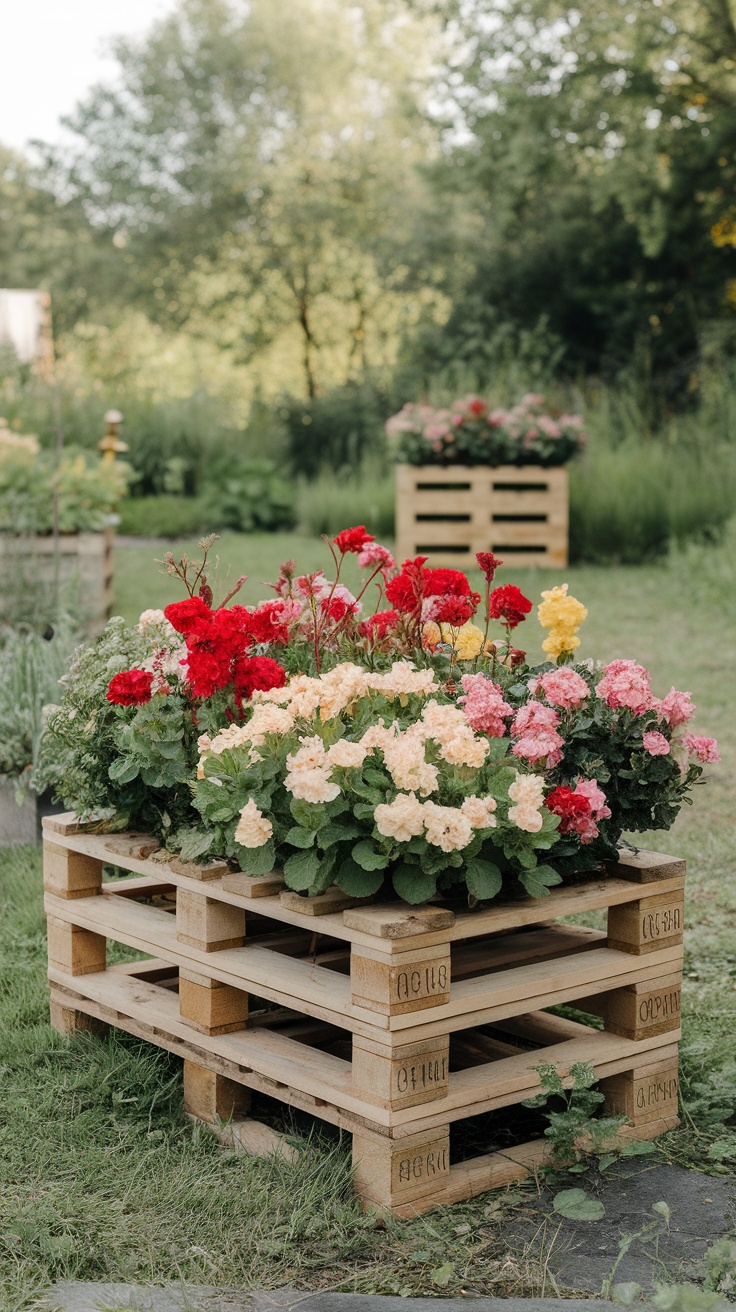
point(22, 315)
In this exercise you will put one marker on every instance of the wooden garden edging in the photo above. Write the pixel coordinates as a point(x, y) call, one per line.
point(392, 1022)
point(449, 513)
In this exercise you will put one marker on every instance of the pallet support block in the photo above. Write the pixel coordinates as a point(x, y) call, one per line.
point(68, 1021)
point(74, 950)
point(406, 982)
point(643, 1009)
point(648, 924)
point(405, 1075)
point(391, 1172)
point(203, 922)
point(70, 874)
point(212, 1097)
point(210, 1006)
point(646, 1094)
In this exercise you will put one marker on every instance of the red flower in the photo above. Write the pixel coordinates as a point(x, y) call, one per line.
point(257, 673)
point(336, 607)
point(213, 645)
point(187, 615)
point(571, 806)
point(509, 604)
point(378, 625)
point(266, 623)
point(405, 591)
point(454, 610)
point(488, 563)
point(446, 582)
point(131, 688)
point(476, 407)
point(515, 657)
point(353, 539)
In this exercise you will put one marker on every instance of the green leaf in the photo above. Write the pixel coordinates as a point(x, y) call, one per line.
point(301, 870)
point(309, 815)
point(299, 837)
point(368, 856)
point(483, 878)
point(256, 860)
point(337, 833)
point(194, 843)
point(123, 770)
point(356, 880)
point(538, 881)
point(442, 1275)
point(627, 1292)
point(363, 811)
point(638, 1148)
point(413, 884)
point(576, 1205)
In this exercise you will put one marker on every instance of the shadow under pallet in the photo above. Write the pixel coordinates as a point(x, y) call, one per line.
point(392, 1022)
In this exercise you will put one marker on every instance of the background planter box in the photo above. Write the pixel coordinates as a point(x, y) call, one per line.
point(22, 824)
point(85, 566)
point(447, 514)
point(395, 1023)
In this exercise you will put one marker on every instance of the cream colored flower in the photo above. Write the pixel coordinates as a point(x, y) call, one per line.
point(346, 754)
point(526, 818)
point(401, 819)
point(446, 827)
point(311, 785)
point(310, 755)
point(269, 719)
point(527, 790)
point(253, 828)
point(235, 735)
point(479, 811)
point(405, 761)
point(464, 749)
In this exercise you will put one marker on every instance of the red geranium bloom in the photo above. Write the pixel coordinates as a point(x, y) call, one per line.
point(405, 591)
point(353, 539)
point(509, 604)
point(571, 806)
point(446, 583)
point(257, 673)
point(454, 610)
point(488, 563)
point(477, 407)
point(377, 626)
point(516, 657)
point(131, 688)
point(186, 615)
point(265, 624)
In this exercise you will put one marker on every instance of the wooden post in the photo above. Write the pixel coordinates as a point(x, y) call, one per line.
point(390, 1172)
point(647, 925)
point(645, 1094)
point(74, 950)
point(70, 874)
point(404, 1075)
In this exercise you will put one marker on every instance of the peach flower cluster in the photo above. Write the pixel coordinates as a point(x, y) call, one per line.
point(448, 827)
point(527, 794)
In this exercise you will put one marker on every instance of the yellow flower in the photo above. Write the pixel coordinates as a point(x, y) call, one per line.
point(466, 641)
point(562, 615)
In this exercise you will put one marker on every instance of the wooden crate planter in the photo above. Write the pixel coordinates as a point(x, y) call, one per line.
point(391, 1022)
point(448, 514)
point(86, 563)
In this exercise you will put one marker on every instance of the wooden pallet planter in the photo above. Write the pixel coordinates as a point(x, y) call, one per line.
point(394, 1023)
point(448, 514)
point(85, 563)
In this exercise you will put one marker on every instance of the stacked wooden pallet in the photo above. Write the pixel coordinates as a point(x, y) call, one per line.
point(392, 1022)
point(448, 514)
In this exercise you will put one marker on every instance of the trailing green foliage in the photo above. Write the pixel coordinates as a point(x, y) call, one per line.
point(31, 666)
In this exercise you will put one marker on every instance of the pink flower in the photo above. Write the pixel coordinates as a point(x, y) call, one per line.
point(590, 788)
point(484, 705)
point(655, 743)
point(676, 707)
point(535, 730)
point(561, 687)
point(374, 554)
point(706, 749)
point(626, 684)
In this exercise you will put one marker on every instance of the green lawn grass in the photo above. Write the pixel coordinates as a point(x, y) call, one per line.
point(102, 1178)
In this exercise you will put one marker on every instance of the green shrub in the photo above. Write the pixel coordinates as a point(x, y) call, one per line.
point(164, 516)
point(248, 496)
point(340, 430)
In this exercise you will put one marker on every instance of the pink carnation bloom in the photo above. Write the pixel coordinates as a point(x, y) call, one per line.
point(484, 705)
point(374, 554)
point(626, 684)
point(706, 749)
point(676, 707)
point(656, 744)
point(561, 687)
point(591, 789)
